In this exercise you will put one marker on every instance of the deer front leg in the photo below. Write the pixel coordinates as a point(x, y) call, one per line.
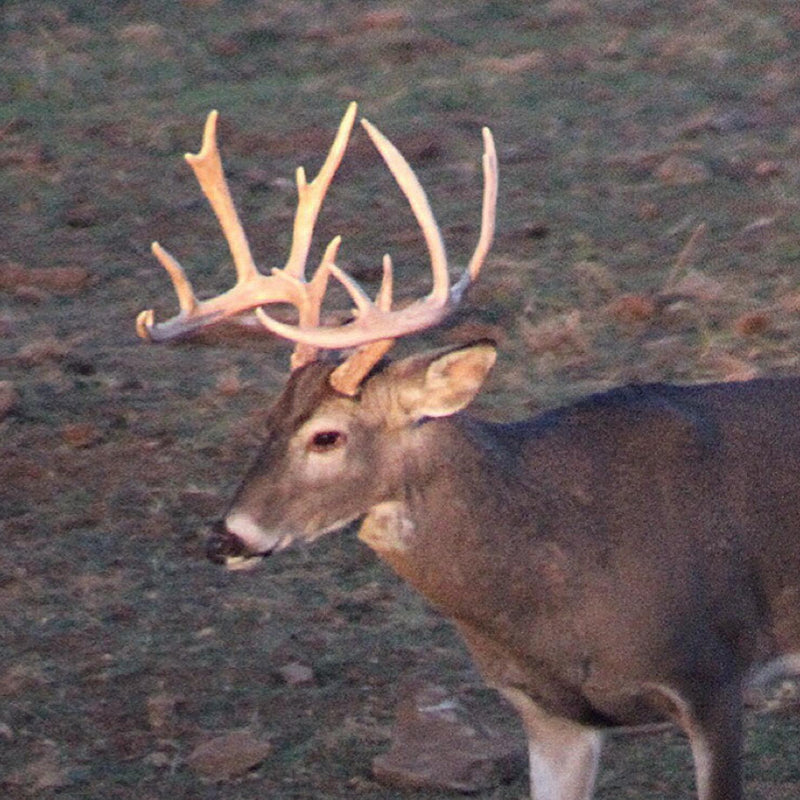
point(563, 756)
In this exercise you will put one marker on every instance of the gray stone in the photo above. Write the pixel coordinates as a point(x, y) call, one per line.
point(437, 744)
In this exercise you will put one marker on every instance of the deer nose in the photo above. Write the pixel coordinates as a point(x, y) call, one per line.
point(223, 545)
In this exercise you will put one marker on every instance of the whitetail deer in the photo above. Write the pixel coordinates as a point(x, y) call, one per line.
point(631, 558)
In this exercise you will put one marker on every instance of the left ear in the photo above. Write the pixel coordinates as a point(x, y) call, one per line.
point(440, 383)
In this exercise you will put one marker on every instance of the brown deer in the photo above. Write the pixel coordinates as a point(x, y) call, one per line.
point(630, 559)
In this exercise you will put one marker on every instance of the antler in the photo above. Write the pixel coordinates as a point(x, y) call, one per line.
point(252, 288)
point(376, 326)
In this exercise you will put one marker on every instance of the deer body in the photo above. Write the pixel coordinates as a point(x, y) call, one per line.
point(630, 559)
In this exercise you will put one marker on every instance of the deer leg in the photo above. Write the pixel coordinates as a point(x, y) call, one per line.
point(563, 761)
point(563, 756)
point(716, 743)
point(714, 727)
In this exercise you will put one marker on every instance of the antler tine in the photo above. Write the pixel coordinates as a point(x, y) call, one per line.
point(187, 302)
point(207, 167)
point(409, 184)
point(309, 311)
point(252, 288)
point(311, 195)
point(384, 299)
point(488, 214)
point(418, 200)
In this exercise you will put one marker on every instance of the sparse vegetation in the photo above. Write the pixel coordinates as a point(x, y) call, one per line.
point(621, 127)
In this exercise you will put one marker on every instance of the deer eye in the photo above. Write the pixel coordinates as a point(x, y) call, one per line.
point(324, 441)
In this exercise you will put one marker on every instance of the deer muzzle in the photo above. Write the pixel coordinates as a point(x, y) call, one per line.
point(224, 547)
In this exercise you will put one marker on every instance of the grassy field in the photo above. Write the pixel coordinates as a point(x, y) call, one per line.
point(622, 126)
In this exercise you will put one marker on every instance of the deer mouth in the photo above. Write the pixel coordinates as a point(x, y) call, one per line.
point(224, 547)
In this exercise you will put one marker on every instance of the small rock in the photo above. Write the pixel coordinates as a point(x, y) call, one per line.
point(436, 745)
point(296, 674)
point(229, 756)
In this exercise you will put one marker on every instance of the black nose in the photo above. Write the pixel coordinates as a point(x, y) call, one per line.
point(222, 544)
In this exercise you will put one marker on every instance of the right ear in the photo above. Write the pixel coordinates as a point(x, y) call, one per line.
point(443, 382)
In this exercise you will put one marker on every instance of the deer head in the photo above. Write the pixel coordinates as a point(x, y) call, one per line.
point(331, 458)
point(330, 417)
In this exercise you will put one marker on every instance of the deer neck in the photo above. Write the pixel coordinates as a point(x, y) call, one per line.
point(454, 488)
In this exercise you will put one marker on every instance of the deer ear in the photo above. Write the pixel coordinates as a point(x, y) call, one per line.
point(441, 383)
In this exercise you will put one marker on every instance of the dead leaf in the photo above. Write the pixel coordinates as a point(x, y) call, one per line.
point(678, 170)
point(8, 398)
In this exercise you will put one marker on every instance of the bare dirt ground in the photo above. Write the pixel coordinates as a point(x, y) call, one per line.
point(621, 125)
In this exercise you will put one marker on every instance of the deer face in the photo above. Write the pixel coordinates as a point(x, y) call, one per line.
point(309, 477)
point(329, 458)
